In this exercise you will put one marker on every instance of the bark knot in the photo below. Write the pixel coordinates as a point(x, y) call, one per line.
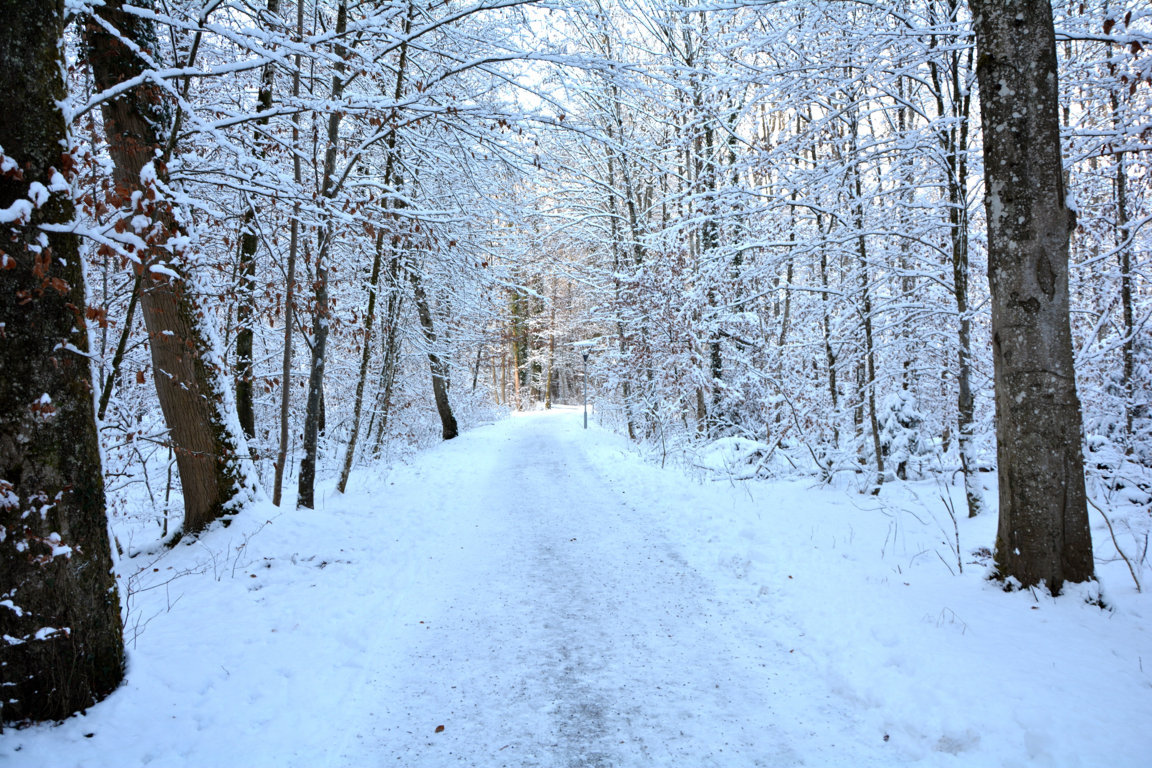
point(1046, 276)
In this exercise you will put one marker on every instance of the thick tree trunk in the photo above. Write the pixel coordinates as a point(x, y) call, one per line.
point(1043, 534)
point(215, 471)
point(60, 624)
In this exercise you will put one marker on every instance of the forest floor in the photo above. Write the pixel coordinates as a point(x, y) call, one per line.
point(533, 594)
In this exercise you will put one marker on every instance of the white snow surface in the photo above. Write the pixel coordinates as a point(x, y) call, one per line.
point(551, 599)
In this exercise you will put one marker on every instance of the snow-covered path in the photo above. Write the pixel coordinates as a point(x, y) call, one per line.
point(553, 600)
point(565, 628)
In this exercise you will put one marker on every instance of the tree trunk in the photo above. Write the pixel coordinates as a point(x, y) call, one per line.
point(60, 624)
point(476, 368)
point(1124, 254)
point(314, 410)
point(121, 346)
point(249, 241)
point(290, 281)
point(377, 262)
point(439, 366)
point(551, 352)
point(498, 386)
point(215, 471)
point(1043, 535)
point(954, 142)
point(391, 347)
point(866, 311)
point(365, 359)
point(516, 374)
point(614, 229)
point(826, 328)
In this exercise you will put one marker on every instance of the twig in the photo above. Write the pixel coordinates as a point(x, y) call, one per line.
point(944, 561)
point(1116, 544)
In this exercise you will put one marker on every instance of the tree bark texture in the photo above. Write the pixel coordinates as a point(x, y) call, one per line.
point(60, 619)
point(1043, 533)
point(215, 472)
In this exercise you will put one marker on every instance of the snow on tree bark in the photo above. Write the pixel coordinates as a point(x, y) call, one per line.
point(60, 628)
point(1043, 531)
point(198, 407)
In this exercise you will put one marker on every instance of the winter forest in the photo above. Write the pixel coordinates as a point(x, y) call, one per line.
point(255, 249)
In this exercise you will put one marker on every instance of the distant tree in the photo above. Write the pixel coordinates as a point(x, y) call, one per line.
point(59, 611)
point(1043, 532)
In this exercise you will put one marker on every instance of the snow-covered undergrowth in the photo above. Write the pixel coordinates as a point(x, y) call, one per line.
point(552, 599)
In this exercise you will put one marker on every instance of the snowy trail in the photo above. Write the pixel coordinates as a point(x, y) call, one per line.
point(554, 601)
point(568, 630)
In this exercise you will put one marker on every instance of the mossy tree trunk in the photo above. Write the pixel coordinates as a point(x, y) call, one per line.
point(1043, 533)
point(60, 614)
point(198, 407)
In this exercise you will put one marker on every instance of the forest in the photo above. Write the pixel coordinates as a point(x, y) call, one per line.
point(291, 241)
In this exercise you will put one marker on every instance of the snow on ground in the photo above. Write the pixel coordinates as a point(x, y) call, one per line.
point(552, 600)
